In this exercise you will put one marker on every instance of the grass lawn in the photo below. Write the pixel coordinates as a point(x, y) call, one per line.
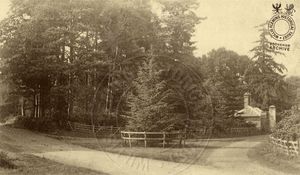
point(15, 158)
point(264, 154)
point(32, 165)
point(195, 151)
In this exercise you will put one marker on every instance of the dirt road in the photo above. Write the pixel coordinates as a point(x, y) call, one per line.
point(231, 159)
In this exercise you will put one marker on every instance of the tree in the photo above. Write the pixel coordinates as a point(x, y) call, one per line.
point(224, 70)
point(77, 60)
point(58, 52)
point(150, 110)
point(179, 20)
point(294, 90)
point(265, 76)
point(42, 45)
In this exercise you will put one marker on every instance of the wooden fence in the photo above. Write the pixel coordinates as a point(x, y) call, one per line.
point(290, 148)
point(230, 132)
point(96, 129)
point(199, 133)
point(163, 137)
point(104, 131)
point(243, 131)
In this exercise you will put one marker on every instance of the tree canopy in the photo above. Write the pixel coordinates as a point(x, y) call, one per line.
point(264, 75)
point(125, 63)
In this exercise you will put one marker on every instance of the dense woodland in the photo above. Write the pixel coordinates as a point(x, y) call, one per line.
point(128, 63)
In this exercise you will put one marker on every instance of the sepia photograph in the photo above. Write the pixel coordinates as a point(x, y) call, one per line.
point(149, 87)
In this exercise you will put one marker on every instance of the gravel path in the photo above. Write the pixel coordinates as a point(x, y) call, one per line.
point(231, 159)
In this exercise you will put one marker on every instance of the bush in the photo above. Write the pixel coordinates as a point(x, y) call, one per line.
point(36, 124)
point(289, 127)
point(101, 119)
point(222, 125)
point(84, 118)
point(6, 111)
point(5, 161)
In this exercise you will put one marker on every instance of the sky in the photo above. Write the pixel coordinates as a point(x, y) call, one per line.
point(231, 24)
point(4, 7)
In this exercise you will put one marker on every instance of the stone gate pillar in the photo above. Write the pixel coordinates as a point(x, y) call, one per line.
point(247, 98)
point(272, 117)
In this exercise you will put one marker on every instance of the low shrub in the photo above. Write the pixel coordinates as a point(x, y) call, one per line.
point(36, 124)
point(83, 118)
point(6, 161)
point(222, 126)
point(289, 127)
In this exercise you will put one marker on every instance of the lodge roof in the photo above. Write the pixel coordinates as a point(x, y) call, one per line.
point(249, 111)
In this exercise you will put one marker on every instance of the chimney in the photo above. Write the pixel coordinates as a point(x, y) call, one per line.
point(272, 117)
point(247, 99)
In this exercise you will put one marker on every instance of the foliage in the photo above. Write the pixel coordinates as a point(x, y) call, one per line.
point(288, 127)
point(221, 126)
point(227, 123)
point(179, 20)
point(36, 124)
point(150, 110)
point(6, 161)
point(264, 75)
point(8, 109)
point(294, 86)
point(79, 60)
point(224, 72)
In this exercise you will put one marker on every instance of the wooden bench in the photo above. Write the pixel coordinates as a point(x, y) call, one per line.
point(163, 137)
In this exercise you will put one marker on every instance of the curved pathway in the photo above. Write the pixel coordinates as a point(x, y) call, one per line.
point(229, 160)
point(234, 158)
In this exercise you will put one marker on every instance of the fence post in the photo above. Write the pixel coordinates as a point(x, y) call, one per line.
point(93, 128)
point(72, 129)
point(129, 140)
point(145, 139)
point(288, 147)
point(164, 139)
point(298, 146)
point(183, 136)
point(123, 138)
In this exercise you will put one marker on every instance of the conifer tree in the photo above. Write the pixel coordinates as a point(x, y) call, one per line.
point(265, 76)
point(150, 110)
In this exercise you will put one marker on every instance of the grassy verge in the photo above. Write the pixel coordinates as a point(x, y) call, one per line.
point(64, 133)
point(265, 155)
point(32, 165)
point(6, 161)
point(195, 151)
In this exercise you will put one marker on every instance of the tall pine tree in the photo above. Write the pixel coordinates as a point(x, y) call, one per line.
point(150, 110)
point(265, 76)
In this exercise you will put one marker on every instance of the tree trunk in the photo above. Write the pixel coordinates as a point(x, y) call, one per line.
point(22, 102)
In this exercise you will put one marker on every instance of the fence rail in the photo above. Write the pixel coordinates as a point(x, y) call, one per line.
point(243, 131)
point(96, 129)
point(163, 137)
point(104, 131)
point(199, 133)
point(287, 147)
point(230, 132)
